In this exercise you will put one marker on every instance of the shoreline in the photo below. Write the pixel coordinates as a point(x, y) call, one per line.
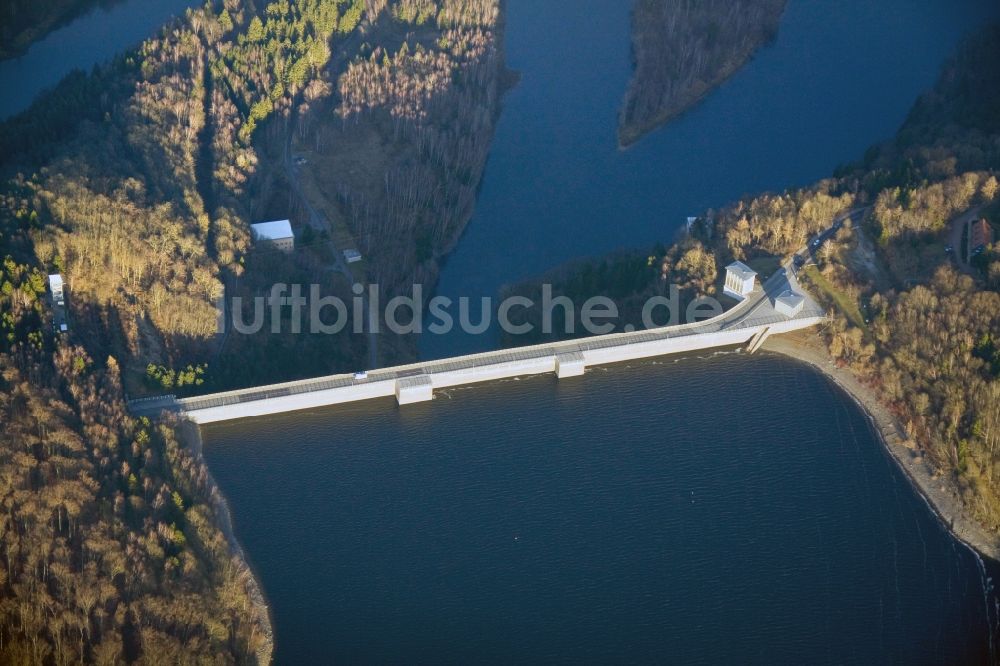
point(190, 435)
point(923, 477)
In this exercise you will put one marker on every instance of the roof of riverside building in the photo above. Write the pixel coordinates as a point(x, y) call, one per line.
point(790, 298)
point(741, 269)
point(277, 230)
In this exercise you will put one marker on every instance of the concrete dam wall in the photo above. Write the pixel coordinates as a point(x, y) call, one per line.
point(747, 324)
point(416, 383)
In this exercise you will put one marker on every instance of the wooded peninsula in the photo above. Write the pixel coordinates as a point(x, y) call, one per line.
point(682, 49)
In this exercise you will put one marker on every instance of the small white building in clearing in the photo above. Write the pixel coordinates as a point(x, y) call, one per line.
point(352, 256)
point(740, 280)
point(789, 303)
point(277, 234)
point(56, 287)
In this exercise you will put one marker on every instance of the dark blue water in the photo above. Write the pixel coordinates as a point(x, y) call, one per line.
point(729, 509)
point(841, 76)
point(87, 41)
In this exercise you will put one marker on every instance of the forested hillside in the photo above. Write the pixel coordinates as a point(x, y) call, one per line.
point(932, 347)
point(684, 48)
point(138, 183)
point(910, 317)
point(144, 203)
point(111, 545)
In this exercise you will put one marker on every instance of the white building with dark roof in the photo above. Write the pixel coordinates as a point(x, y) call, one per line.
point(56, 287)
point(277, 234)
point(740, 280)
point(789, 303)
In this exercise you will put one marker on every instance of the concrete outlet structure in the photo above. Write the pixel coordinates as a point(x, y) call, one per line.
point(414, 389)
point(570, 365)
point(789, 303)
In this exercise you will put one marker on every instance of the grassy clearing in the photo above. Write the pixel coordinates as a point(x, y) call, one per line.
point(359, 157)
point(847, 305)
point(765, 266)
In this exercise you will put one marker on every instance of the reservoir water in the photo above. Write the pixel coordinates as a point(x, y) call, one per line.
point(87, 41)
point(726, 509)
point(723, 510)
